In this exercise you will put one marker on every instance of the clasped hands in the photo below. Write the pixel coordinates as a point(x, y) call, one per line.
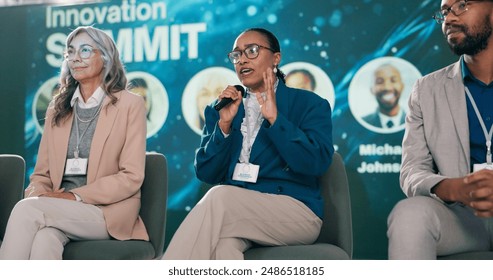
point(478, 192)
point(59, 194)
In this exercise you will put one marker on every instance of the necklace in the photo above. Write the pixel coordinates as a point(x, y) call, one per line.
point(90, 119)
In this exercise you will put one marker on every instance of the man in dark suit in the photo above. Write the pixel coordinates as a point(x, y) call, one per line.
point(387, 89)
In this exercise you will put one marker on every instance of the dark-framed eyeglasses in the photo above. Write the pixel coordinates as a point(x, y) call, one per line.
point(251, 52)
point(458, 8)
point(84, 52)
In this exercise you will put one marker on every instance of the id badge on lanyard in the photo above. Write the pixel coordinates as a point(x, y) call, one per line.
point(76, 166)
point(246, 172)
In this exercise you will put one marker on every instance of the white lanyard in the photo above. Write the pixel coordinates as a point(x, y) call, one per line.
point(77, 119)
point(249, 132)
point(487, 135)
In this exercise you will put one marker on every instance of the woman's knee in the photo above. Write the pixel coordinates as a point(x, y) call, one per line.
point(24, 207)
point(223, 193)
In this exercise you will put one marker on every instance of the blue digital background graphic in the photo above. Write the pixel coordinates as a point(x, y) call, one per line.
point(337, 36)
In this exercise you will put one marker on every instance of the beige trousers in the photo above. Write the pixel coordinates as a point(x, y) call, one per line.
point(228, 219)
point(39, 227)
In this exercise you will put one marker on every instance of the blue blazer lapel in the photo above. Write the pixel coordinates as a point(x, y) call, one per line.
point(239, 117)
point(238, 137)
point(262, 141)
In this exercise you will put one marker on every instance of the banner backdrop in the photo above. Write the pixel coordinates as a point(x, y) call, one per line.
point(175, 56)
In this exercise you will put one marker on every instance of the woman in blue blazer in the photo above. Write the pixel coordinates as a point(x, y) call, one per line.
point(264, 151)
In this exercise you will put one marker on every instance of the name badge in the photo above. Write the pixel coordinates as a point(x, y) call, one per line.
point(76, 166)
point(246, 172)
point(481, 166)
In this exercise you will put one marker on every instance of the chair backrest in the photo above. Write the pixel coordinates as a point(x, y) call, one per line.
point(337, 225)
point(154, 194)
point(12, 173)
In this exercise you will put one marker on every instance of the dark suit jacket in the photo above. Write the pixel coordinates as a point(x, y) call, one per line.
point(291, 154)
point(374, 119)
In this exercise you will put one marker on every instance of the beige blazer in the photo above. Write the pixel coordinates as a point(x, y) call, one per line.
point(116, 163)
point(436, 139)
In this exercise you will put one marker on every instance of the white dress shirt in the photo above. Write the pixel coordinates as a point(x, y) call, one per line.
point(384, 119)
point(92, 102)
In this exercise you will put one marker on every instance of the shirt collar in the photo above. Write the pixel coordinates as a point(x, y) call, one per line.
point(92, 102)
point(465, 71)
point(468, 76)
point(395, 119)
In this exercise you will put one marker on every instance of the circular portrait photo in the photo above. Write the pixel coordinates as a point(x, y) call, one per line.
point(155, 96)
point(202, 90)
point(310, 77)
point(379, 92)
point(42, 99)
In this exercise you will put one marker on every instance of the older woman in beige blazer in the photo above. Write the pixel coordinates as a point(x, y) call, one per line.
point(64, 202)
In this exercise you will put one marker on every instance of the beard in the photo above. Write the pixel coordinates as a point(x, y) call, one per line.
point(472, 44)
point(387, 106)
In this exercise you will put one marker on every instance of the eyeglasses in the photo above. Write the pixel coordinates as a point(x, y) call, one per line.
point(458, 8)
point(250, 52)
point(84, 52)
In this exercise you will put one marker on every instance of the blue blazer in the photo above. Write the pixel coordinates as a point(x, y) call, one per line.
point(292, 153)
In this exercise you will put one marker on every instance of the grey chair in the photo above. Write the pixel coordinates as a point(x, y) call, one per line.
point(12, 176)
point(479, 255)
point(335, 241)
point(154, 194)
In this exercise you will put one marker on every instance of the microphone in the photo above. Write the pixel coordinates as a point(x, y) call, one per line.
point(226, 101)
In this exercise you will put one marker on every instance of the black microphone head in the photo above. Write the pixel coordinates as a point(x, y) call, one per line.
point(240, 88)
point(226, 101)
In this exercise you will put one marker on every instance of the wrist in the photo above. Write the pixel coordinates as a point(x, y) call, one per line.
point(434, 195)
point(447, 190)
point(272, 119)
point(76, 196)
point(224, 126)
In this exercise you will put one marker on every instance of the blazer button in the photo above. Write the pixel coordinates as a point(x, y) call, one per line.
point(279, 189)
